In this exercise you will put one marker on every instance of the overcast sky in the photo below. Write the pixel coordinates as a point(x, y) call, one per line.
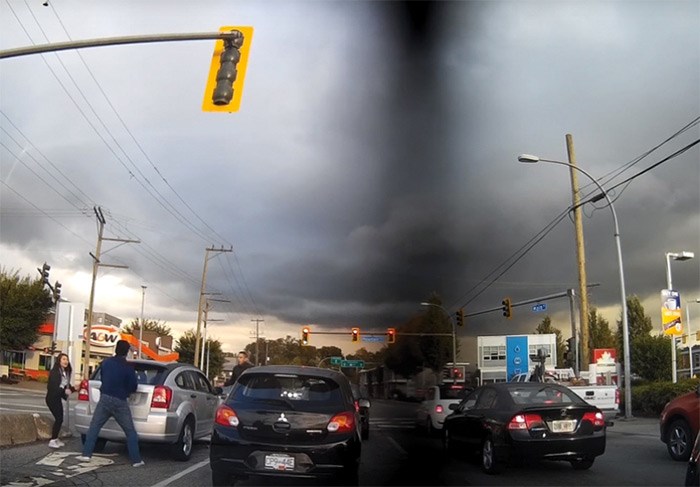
point(373, 161)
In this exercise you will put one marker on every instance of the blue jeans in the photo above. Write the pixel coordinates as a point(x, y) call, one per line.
point(112, 407)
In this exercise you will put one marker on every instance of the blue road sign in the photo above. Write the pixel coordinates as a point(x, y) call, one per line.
point(539, 307)
point(372, 338)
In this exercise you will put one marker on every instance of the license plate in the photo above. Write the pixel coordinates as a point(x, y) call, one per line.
point(279, 462)
point(564, 426)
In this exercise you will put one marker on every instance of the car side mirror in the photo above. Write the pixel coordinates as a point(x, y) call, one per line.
point(453, 407)
point(218, 391)
point(363, 403)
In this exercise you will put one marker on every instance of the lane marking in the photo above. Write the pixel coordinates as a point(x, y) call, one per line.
point(182, 474)
point(397, 446)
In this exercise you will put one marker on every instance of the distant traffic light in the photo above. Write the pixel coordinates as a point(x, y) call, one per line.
point(44, 271)
point(391, 335)
point(355, 334)
point(57, 292)
point(305, 335)
point(507, 308)
point(459, 315)
point(227, 71)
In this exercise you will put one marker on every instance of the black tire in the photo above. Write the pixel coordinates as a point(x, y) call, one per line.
point(182, 448)
point(489, 461)
point(221, 479)
point(100, 444)
point(680, 440)
point(430, 430)
point(582, 464)
point(365, 433)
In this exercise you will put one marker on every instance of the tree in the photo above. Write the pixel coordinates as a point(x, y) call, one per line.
point(651, 357)
point(148, 325)
point(24, 306)
point(599, 332)
point(544, 328)
point(185, 347)
point(639, 325)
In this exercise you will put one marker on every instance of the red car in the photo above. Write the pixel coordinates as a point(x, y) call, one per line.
point(680, 423)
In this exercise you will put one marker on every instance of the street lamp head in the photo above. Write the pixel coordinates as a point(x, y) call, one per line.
point(681, 255)
point(529, 158)
point(426, 304)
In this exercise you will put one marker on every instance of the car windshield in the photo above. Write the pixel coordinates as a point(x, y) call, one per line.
point(299, 392)
point(543, 396)
point(452, 392)
point(146, 373)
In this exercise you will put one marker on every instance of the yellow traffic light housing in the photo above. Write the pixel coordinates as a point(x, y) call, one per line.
point(460, 317)
point(355, 334)
point(391, 335)
point(507, 308)
point(227, 71)
point(305, 335)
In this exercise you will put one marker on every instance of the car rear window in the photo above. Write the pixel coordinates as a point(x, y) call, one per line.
point(152, 374)
point(545, 395)
point(452, 392)
point(299, 392)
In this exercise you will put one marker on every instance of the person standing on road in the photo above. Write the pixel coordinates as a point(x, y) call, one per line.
point(57, 391)
point(118, 381)
point(243, 364)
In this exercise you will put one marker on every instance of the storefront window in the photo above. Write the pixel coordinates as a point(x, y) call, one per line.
point(44, 362)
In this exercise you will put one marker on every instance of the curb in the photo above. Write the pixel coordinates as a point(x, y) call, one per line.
point(22, 428)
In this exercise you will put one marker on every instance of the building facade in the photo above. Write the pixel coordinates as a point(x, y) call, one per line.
point(500, 357)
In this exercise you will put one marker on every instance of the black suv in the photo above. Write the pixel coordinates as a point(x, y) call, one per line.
point(287, 421)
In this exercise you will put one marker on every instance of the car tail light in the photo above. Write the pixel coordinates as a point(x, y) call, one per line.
point(342, 422)
point(162, 395)
point(225, 416)
point(357, 406)
point(525, 422)
point(617, 397)
point(84, 390)
point(438, 409)
point(596, 419)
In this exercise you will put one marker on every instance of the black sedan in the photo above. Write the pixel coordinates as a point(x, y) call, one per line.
point(287, 421)
point(525, 421)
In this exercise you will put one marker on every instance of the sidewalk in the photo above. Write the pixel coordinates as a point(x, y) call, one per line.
point(25, 385)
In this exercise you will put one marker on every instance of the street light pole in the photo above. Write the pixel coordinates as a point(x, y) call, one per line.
point(143, 299)
point(454, 335)
point(623, 298)
point(669, 285)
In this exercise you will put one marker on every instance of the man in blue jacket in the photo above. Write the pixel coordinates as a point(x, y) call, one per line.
point(118, 381)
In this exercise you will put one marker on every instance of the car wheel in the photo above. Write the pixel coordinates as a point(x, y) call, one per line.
point(100, 444)
point(182, 449)
point(365, 433)
point(429, 428)
point(582, 463)
point(680, 440)
point(489, 462)
point(220, 479)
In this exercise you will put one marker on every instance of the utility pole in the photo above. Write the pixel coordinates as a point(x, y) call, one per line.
point(580, 254)
point(207, 346)
point(198, 336)
point(257, 340)
point(143, 299)
point(96, 264)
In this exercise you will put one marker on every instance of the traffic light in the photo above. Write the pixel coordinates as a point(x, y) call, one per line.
point(391, 335)
point(44, 271)
point(227, 71)
point(305, 335)
point(355, 334)
point(507, 308)
point(57, 292)
point(460, 317)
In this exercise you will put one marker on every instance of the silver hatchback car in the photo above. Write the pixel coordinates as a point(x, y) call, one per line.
point(174, 403)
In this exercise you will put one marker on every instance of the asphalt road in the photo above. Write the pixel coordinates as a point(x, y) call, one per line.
point(395, 454)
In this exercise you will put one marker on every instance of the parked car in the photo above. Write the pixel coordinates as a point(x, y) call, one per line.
point(527, 421)
point(692, 477)
point(435, 407)
point(680, 423)
point(174, 403)
point(362, 404)
point(287, 421)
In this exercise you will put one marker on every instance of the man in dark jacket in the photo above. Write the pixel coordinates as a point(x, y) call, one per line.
point(243, 364)
point(118, 381)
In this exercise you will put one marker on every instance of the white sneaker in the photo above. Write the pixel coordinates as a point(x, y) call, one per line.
point(139, 464)
point(60, 443)
point(83, 458)
point(54, 444)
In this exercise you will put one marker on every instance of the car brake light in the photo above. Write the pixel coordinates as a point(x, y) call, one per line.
point(438, 409)
point(84, 391)
point(162, 395)
point(225, 416)
point(525, 422)
point(596, 419)
point(617, 397)
point(357, 406)
point(342, 422)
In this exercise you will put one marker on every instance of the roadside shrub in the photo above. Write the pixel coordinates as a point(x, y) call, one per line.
point(649, 399)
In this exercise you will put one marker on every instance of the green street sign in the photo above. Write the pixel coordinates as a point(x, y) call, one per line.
point(360, 364)
point(336, 360)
